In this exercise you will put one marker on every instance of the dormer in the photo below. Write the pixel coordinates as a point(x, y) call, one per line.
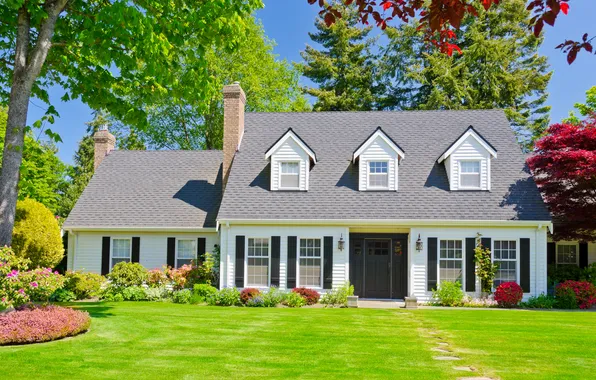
point(467, 162)
point(378, 160)
point(291, 160)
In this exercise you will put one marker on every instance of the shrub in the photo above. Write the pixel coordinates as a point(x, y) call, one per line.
point(156, 278)
point(542, 301)
point(225, 297)
point(36, 234)
point(479, 302)
point(134, 293)
point(589, 274)
point(178, 276)
point(273, 297)
point(40, 283)
point(338, 296)
point(181, 296)
point(63, 295)
point(203, 291)
point(84, 285)
point(310, 296)
point(157, 293)
point(127, 274)
point(205, 273)
point(486, 268)
point(113, 294)
point(256, 302)
point(509, 294)
point(41, 324)
point(562, 273)
point(248, 293)
point(449, 293)
point(576, 294)
point(294, 300)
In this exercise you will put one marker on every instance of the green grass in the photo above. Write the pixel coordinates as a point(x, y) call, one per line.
point(163, 340)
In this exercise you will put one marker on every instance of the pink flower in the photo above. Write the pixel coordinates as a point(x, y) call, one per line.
point(13, 273)
point(21, 291)
point(34, 284)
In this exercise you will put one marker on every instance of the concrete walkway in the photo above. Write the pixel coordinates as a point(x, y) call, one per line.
point(380, 304)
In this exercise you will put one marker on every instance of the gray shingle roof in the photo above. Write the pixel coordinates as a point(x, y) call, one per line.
point(423, 186)
point(170, 189)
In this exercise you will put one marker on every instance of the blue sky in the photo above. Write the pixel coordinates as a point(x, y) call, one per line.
point(288, 23)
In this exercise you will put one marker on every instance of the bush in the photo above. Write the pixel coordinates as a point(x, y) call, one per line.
point(134, 293)
point(574, 294)
point(157, 293)
point(449, 293)
point(156, 278)
point(273, 297)
point(178, 276)
point(201, 292)
point(112, 294)
point(41, 324)
point(338, 296)
point(293, 299)
point(257, 301)
point(36, 234)
point(84, 285)
point(542, 301)
point(225, 297)
point(63, 295)
point(310, 296)
point(589, 274)
point(182, 296)
point(248, 293)
point(127, 274)
point(562, 273)
point(509, 294)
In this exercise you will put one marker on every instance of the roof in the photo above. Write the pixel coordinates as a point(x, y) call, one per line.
point(379, 132)
point(423, 184)
point(294, 136)
point(469, 132)
point(151, 189)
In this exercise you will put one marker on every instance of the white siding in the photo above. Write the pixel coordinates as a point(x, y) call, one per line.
point(152, 250)
point(591, 253)
point(290, 151)
point(378, 150)
point(469, 150)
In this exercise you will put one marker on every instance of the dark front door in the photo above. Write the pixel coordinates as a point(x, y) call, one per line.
point(377, 272)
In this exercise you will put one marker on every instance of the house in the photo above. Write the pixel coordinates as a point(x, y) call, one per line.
point(393, 202)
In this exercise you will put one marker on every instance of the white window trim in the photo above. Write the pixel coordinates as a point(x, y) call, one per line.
point(517, 252)
point(463, 260)
point(246, 284)
point(298, 262)
point(112, 249)
point(576, 244)
point(368, 174)
point(280, 162)
point(479, 187)
point(195, 243)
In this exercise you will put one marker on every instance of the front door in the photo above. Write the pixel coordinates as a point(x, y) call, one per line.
point(377, 273)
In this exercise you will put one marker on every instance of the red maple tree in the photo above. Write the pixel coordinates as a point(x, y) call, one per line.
point(564, 168)
point(439, 18)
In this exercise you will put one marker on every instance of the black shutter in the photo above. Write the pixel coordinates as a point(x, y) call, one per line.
point(292, 242)
point(432, 264)
point(201, 249)
point(275, 252)
point(239, 266)
point(105, 255)
point(583, 255)
point(551, 251)
point(171, 252)
point(327, 262)
point(524, 264)
point(470, 265)
point(136, 247)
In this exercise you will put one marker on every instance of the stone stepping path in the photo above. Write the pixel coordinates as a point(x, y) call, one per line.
point(464, 369)
point(446, 358)
point(475, 378)
point(440, 349)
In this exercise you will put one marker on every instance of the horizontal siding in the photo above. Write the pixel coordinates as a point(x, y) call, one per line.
point(289, 151)
point(470, 149)
point(378, 150)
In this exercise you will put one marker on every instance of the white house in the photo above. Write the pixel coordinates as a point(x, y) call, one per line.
point(393, 202)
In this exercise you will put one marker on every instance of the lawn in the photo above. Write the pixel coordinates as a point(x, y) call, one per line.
point(162, 340)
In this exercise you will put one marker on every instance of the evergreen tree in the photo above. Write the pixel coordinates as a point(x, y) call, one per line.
point(498, 67)
point(345, 69)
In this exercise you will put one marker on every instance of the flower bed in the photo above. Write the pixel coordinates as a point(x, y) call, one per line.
point(41, 324)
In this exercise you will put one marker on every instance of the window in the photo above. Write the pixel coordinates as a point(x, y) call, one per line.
point(289, 177)
point(567, 254)
point(451, 261)
point(310, 262)
point(120, 251)
point(187, 252)
point(378, 174)
point(258, 262)
point(505, 255)
point(470, 174)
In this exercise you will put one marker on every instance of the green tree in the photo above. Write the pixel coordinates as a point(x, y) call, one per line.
point(498, 67)
point(584, 109)
point(101, 52)
point(345, 68)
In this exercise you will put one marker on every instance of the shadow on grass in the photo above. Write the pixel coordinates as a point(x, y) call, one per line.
point(95, 309)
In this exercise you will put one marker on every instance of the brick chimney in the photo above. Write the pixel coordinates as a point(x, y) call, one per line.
point(104, 144)
point(234, 101)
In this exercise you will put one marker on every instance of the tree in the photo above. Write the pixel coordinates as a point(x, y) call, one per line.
point(100, 52)
point(345, 69)
point(564, 169)
point(439, 18)
point(499, 68)
point(584, 109)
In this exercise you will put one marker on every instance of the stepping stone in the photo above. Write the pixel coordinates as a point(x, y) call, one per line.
point(439, 349)
point(464, 368)
point(475, 378)
point(446, 358)
point(443, 343)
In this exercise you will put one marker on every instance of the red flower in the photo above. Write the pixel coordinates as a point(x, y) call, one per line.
point(585, 292)
point(509, 294)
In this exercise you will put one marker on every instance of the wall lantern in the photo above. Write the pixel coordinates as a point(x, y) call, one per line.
point(419, 244)
point(341, 243)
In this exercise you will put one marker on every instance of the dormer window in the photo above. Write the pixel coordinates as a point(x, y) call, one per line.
point(289, 175)
point(378, 174)
point(291, 159)
point(469, 175)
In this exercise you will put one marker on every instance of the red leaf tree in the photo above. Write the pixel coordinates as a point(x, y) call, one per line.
point(564, 168)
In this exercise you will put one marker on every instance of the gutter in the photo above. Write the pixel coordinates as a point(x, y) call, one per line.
point(144, 229)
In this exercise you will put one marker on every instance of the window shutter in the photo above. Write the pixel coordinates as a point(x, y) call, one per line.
point(171, 252)
point(292, 242)
point(105, 255)
point(239, 266)
point(327, 262)
point(583, 255)
point(551, 251)
point(524, 264)
point(275, 251)
point(470, 265)
point(431, 270)
point(136, 247)
point(201, 248)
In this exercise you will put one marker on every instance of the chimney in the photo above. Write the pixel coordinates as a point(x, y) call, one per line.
point(104, 144)
point(234, 101)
